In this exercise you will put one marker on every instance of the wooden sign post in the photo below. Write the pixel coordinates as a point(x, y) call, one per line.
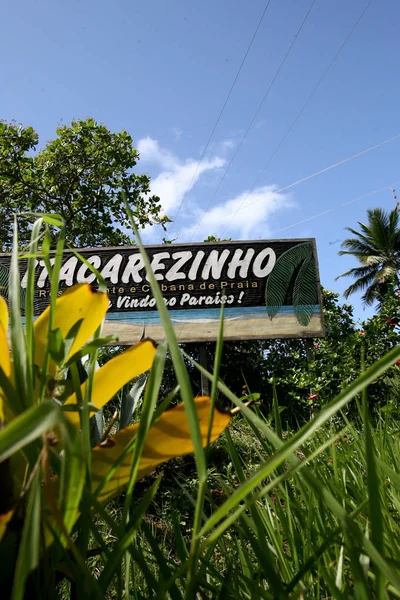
point(204, 383)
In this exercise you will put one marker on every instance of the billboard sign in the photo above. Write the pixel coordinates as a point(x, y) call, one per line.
point(269, 288)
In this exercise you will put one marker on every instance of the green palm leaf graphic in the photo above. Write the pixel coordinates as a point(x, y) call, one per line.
point(305, 292)
point(4, 290)
point(299, 258)
point(4, 275)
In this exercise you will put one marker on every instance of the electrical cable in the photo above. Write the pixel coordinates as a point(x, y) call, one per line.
point(257, 112)
point(315, 174)
point(222, 111)
point(274, 153)
point(338, 164)
point(325, 212)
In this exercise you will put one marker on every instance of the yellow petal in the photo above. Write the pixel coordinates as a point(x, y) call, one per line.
point(3, 313)
point(4, 520)
point(5, 361)
point(5, 364)
point(79, 302)
point(110, 378)
point(167, 438)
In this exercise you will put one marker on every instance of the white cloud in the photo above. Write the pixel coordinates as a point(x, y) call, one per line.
point(151, 151)
point(246, 216)
point(176, 178)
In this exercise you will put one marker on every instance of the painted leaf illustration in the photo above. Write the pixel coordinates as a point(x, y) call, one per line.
point(282, 274)
point(4, 275)
point(167, 438)
point(4, 278)
point(305, 292)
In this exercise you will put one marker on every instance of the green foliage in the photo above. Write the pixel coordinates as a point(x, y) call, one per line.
point(299, 367)
point(377, 249)
point(309, 373)
point(270, 511)
point(83, 175)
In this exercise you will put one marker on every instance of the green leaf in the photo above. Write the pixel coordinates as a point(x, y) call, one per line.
point(55, 344)
point(130, 399)
point(29, 548)
point(22, 373)
point(90, 349)
point(27, 427)
point(55, 220)
point(72, 477)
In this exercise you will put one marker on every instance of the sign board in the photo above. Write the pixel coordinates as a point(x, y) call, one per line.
point(270, 289)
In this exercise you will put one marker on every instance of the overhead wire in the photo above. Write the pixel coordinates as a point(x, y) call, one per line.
point(319, 172)
point(324, 74)
point(333, 208)
point(189, 187)
point(255, 115)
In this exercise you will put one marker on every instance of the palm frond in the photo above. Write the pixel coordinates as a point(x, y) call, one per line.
point(357, 272)
point(376, 246)
point(360, 284)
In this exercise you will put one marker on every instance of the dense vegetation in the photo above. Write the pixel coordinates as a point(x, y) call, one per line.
point(298, 496)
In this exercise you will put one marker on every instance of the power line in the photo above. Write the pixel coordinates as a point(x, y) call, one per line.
point(256, 113)
point(324, 74)
point(222, 110)
point(325, 212)
point(315, 174)
point(338, 164)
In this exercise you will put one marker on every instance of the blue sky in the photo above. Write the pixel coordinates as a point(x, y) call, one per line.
point(162, 70)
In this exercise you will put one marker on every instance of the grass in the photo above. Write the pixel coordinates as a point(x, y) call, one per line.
point(287, 542)
point(265, 512)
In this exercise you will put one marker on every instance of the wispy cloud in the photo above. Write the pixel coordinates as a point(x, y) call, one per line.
point(246, 216)
point(176, 177)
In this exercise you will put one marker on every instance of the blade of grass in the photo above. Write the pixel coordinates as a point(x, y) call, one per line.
point(167, 579)
point(30, 293)
point(27, 427)
point(29, 547)
point(185, 389)
point(115, 557)
point(54, 272)
point(18, 344)
point(149, 403)
point(374, 495)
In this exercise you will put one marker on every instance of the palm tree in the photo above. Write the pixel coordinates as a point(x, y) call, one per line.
point(377, 248)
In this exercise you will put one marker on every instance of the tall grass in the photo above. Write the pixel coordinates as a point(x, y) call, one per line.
point(266, 513)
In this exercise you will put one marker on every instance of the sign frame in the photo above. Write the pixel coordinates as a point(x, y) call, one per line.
point(238, 328)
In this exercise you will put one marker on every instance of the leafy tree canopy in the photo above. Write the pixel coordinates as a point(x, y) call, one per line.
point(82, 174)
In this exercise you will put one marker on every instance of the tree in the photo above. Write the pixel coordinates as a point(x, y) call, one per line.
point(83, 174)
point(307, 380)
point(377, 248)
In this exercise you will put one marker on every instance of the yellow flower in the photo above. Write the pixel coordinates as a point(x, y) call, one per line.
point(168, 437)
point(5, 362)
